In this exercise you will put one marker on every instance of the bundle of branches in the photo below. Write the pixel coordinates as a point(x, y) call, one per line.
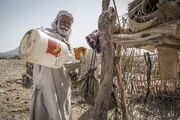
point(143, 14)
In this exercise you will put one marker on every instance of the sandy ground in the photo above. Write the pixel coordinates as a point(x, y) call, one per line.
point(15, 99)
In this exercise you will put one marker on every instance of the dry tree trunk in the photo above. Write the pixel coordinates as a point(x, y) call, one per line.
point(103, 97)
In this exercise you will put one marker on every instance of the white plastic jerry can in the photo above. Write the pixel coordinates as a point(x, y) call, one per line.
point(40, 48)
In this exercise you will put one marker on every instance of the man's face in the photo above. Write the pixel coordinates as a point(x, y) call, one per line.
point(64, 25)
point(65, 22)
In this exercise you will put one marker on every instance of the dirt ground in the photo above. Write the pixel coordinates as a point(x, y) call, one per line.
point(15, 99)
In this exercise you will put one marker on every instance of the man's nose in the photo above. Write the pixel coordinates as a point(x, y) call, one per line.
point(66, 24)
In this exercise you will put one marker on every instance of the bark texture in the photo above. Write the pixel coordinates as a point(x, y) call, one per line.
point(103, 97)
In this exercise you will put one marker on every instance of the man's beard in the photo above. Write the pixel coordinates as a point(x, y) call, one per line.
point(63, 31)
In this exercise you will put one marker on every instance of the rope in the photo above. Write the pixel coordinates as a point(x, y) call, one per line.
point(91, 74)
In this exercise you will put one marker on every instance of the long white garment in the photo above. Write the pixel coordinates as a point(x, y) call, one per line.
point(51, 96)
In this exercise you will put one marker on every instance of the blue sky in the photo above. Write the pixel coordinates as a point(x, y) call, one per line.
point(19, 16)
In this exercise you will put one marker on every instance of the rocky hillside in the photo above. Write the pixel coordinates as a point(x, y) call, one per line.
point(10, 53)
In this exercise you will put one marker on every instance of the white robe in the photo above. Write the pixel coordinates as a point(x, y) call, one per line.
point(47, 83)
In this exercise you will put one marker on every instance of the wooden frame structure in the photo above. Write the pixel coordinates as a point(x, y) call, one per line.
point(165, 35)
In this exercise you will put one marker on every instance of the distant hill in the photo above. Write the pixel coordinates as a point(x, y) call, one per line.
point(13, 52)
point(10, 53)
point(1, 54)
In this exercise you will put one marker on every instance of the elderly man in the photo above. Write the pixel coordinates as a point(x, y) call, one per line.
point(51, 94)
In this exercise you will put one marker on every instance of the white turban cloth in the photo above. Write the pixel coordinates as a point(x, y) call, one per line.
point(54, 28)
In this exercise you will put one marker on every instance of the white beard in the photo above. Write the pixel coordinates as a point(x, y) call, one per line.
point(64, 32)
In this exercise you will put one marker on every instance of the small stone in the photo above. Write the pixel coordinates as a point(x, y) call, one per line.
point(2, 91)
point(19, 81)
point(27, 109)
point(9, 90)
point(17, 97)
point(26, 101)
point(8, 84)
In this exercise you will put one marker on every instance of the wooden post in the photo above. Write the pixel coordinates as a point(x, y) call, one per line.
point(119, 68)
point(103, 96)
